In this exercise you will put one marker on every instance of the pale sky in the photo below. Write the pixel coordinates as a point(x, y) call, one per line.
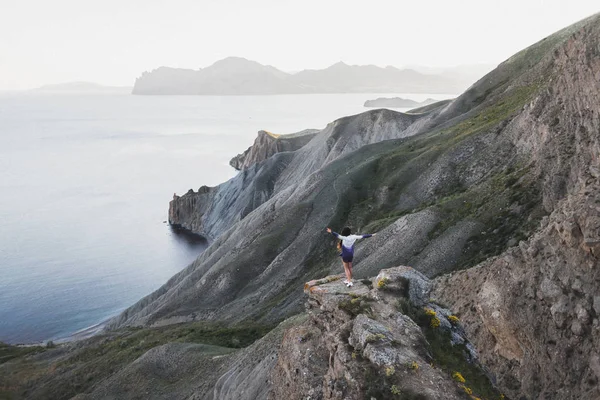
point(114, 41)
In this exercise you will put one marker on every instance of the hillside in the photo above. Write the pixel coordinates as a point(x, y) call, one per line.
point(492, 198)
point(238, 76)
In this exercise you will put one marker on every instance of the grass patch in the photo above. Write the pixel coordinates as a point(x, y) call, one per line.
point(102, 356)
point(384, 385)
point(8, 352)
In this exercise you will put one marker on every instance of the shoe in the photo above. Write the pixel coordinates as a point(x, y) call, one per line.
point(346, 281)
point(350, 284)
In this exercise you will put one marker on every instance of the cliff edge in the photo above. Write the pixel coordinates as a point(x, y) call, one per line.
point(267, 144)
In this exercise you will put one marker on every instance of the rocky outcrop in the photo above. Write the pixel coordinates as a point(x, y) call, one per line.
point(397, 102)
point(187, 211)
point(267, 144)
point(357, 343)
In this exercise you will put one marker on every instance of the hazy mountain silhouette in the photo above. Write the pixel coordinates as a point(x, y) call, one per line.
point(234, 75)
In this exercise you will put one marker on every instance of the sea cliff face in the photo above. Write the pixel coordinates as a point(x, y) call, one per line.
point(212, 211)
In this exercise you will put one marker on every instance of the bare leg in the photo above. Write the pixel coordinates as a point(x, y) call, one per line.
point(347, 271)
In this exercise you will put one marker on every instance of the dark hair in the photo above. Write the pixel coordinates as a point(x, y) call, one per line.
point(345, 232)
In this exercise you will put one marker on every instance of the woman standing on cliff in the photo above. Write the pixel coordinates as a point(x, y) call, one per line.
point(346, 245)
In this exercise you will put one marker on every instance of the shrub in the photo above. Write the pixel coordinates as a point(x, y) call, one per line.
point(382, 283)
point(389, 371)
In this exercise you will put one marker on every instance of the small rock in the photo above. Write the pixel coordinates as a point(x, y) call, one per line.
point(560, 311)
point(597, 304)
point(577, 285)
point(582, 314)
point(577, 328)
point(549, 289)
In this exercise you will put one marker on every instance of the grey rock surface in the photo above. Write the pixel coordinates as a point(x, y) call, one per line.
point(356, 344)
point(267, 144)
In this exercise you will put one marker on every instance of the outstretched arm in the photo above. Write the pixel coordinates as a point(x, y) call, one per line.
point(364, 236)
point(337, 235)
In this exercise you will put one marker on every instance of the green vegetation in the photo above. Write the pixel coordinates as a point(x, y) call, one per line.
point(448, 357)
point(8, 352)
point(355, 306)
point(384, 386)
point(506, 202)
point(101, 356)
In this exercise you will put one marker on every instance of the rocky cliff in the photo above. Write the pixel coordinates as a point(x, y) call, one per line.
point(211, 211)
point(268, 144)
point(493, 196)
point(380, 339)
point(533, 311)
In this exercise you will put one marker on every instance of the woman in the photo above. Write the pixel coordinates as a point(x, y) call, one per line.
point(346, 245)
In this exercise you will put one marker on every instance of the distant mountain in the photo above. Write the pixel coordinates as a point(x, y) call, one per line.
point(397, 102)
point(236, 75)
point(230, 76)
point(82, 87)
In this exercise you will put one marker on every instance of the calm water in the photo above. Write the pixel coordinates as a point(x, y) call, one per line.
point(85, 182)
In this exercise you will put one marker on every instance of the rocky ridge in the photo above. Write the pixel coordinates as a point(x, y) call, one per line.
point(357, 343)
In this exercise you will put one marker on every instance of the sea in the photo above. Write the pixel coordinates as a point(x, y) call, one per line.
point(85, 184)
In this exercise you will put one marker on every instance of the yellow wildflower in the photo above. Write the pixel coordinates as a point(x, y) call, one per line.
point(458, 377)
point(430, 312)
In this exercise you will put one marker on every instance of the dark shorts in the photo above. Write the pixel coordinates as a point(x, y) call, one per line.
point(346, 258)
